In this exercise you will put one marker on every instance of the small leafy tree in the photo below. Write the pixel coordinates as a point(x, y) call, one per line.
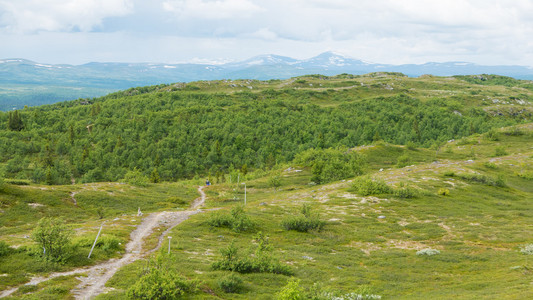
point(53, 236)
point(292, 291)
point(161, 282)
point(154, 176)
point(135, 177)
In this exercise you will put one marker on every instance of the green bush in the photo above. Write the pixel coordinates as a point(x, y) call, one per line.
point(291, 291)
point(4, 249)
point(304, 222)
point(16, 181)
point(135, 177)
point(331, 164)
point(403, 161)
point(500, 151)
point(53, 235)
point(406, 193)
point(231, 283)
point(161, 284)
point(492, 135)
point(443, 192)
point(237, 220)
point(259, 259)
point(366, 186)
point(274, 181)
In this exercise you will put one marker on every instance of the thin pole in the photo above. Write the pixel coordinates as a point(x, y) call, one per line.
point(96, 239)
point(245, 194)
point(169, 244)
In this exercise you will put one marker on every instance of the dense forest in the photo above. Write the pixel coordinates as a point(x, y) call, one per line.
point(182, 130)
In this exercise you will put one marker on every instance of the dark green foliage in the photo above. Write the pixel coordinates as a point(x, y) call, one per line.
point(331, 164)
point(366, 186)
point(154, 176)
point(15, 121)
point(305, 222)
point(259, 259)
point(4, 249)
point(53, 237)
point(237, 220)
point(231, 283)
point(185, 132)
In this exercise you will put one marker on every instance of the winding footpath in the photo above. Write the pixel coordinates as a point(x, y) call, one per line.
point(94, 283)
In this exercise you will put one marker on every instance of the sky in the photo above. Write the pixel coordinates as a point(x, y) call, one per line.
point(489, 32)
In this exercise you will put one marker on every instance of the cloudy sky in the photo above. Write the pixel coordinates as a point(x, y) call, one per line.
point(386, 31)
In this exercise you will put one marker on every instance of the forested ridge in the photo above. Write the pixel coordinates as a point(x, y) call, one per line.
point(200, 128)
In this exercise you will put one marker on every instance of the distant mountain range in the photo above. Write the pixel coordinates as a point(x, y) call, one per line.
point(24, 82)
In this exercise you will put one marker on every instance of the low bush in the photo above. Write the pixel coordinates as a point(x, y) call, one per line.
point(160, 282)
point(443, 192)
point(231, 283)
point(406, 192)
point(17, 181)
point(305, 222)
point(403, 161)
point(366, 186)
point(4, 249)
point(259, 259)
point(483, 179)
point(237, 220)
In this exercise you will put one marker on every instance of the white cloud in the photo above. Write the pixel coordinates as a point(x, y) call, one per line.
point(214, 10)
point(389, 31)
point(27, 16)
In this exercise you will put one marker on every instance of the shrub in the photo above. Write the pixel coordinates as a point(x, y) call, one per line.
point(274, 181)
point(483, 179)
point(135, 177)
point(237, 220)
point(305, 222)
point(443, 192)
point(403, 161)
point(53, 235)
point(406, 193)
point(427, 252)
point(449, 173)
point(411, 146)
point(16, 181)
point(366, 186)
point(231, 283)
point(492, 135)
point(331, 164)
point(258, 260)
point(528, 249)
point(4, 249)
point(490, 165)
point(500, 151)
point(161, 284)
point(525, 175)
point(291, 291)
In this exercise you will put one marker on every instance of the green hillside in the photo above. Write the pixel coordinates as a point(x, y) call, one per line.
point(357, 187)
point(212, 127)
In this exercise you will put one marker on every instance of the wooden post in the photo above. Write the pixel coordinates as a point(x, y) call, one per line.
point(94, 244)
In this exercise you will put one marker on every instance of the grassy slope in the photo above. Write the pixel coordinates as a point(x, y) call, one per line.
point(478, 228)
point(114, 203)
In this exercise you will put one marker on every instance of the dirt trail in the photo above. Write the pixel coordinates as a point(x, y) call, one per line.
point(94, 283)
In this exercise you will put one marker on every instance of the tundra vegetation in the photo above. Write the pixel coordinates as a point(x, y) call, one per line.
point(357, 187)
